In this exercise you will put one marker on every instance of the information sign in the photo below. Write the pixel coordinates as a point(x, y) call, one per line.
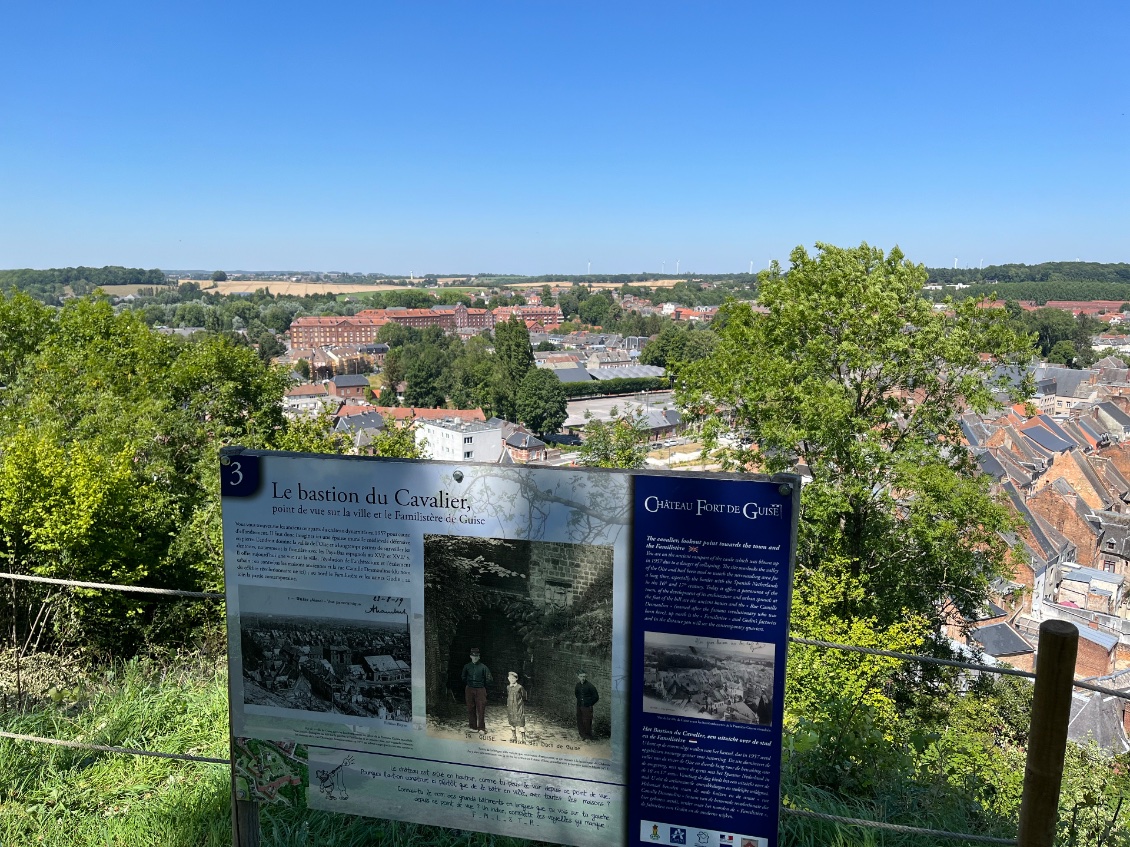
point(576, 656)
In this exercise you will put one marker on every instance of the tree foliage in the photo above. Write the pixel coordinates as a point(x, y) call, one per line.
point(541, 401)
point(620, 442)
point(108, 463)
point(514, 358)
point(856, 375)
point(676, 344)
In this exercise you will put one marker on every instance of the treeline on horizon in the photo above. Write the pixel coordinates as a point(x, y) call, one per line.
point(1038, 283)
point(51, 284)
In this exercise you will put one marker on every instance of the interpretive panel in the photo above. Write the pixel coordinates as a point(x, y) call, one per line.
point(710, 627)
point(525, 651)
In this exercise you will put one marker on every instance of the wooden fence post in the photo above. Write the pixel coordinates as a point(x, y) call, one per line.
point(244, 813)
point(1047, 736)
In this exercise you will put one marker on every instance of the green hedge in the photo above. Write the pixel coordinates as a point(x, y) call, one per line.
point(627, 385)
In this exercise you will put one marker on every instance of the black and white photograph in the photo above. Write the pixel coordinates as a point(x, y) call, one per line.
point(518, 643)
point(710, 678)
point(359, 664)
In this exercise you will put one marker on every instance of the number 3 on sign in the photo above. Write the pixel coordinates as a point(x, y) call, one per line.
point(235, 474)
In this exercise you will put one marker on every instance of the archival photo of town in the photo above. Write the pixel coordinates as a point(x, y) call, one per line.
point(711, 678)
point(342, 666)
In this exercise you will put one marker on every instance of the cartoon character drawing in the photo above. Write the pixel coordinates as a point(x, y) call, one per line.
point(331, 781)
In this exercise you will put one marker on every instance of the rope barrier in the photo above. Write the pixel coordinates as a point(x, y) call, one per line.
point(103, 748)
point(137, 589)
point(894, 827)
point(811, 642)
point(931, 660)
point(928, 660)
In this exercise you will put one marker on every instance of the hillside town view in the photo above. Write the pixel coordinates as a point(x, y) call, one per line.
point(294, 663)
point(383, 387)
point(990, 452)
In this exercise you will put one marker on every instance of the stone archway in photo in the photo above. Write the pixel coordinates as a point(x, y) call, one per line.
point(500, 626)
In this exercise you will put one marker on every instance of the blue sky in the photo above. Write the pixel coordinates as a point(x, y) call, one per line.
point(536, 137)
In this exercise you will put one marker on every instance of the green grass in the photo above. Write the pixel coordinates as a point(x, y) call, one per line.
point(63, 797)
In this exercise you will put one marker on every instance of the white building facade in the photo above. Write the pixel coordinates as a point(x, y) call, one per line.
point(454, 440)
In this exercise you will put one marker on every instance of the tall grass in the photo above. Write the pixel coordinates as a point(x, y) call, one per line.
point(62, 797)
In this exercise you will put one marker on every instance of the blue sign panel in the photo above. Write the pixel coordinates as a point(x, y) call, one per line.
point(712, 562)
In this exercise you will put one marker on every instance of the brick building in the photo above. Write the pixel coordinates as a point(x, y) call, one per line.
point(348, 387)
point(333, 331)
point(546, 315)
point(448, 318)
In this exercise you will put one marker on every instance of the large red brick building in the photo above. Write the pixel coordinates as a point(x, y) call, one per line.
point(334, 331)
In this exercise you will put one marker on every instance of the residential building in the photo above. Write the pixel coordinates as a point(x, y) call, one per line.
point(452, 439)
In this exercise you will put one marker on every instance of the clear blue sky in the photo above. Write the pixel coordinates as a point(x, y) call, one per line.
point(534, 137)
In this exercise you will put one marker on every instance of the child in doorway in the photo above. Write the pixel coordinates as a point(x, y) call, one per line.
point(516, 708)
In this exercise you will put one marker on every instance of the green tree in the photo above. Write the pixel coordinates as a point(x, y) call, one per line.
point(620, 442)
point(303, 367)
point(541, 401)
point(1050, 327)
point(676, 344)
point(24, 325)
point(513, 359)
point(270, 346)
point(425, 373)
point(92, 492)
point(852, 372)
point(597, 309)
point(219, 276)
point(471, 376)
point(1064, 353)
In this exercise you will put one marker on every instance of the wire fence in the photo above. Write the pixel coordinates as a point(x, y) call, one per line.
point(785, 810)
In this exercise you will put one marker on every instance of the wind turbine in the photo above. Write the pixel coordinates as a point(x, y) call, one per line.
point(588, 270)
point(676, 267)
point(751, 266)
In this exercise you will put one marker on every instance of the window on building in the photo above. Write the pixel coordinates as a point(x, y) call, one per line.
point(467, 439)
point(469, 454)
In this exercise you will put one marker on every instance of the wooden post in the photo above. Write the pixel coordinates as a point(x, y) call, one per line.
point(1047, 736)
point(244, 813)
